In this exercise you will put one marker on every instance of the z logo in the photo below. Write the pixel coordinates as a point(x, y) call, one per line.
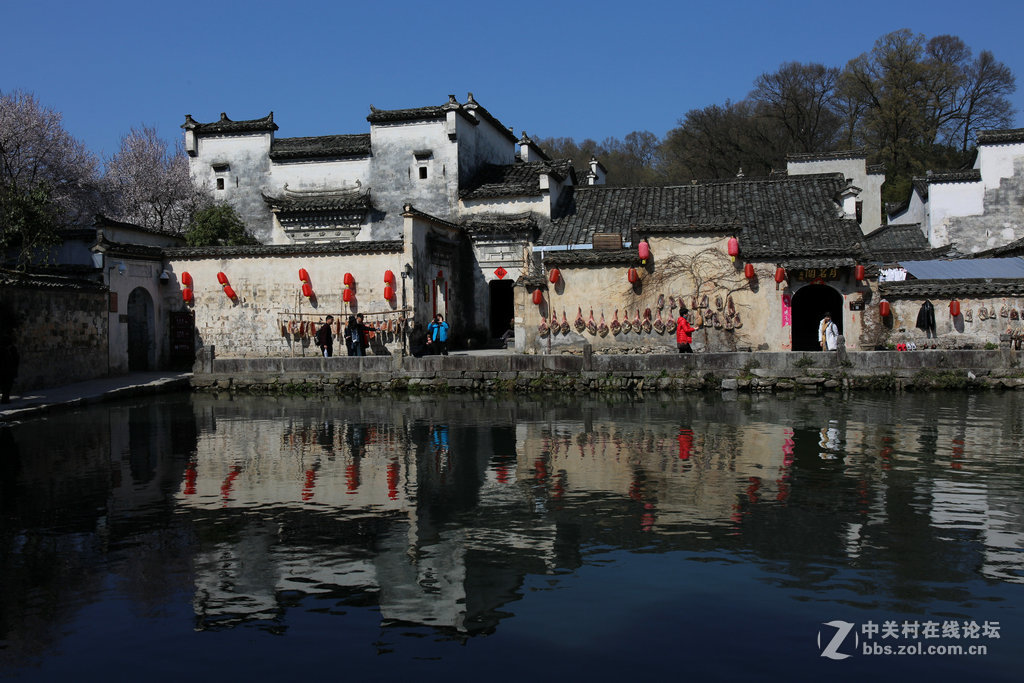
point(843, 629)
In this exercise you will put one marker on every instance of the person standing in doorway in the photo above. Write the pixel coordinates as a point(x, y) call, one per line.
point(324, 340)
point(828, 333)
point(684, 332)
point(437, 335)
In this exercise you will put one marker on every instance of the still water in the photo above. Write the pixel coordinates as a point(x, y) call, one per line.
point(563, 538)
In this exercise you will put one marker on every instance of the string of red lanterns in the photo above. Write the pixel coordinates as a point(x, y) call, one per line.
point(229, 292)
point(186, 292)
point(307, 287)
point(347, 294)
point(389, 285)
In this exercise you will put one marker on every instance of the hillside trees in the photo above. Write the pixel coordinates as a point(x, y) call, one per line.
point(218, 225)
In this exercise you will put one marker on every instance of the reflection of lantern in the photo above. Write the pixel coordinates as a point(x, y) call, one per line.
point(780, 275)
point(554, 275)
point(632, 276)
point(186, 279)
point(858, 273)
point(307, 290)
point(883, 308)
point(748, 271)
point(644, 251)
point(538, 297)
point(734, 248)
point(954, 308)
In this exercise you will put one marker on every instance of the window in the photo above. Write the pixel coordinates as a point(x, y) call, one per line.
point(220, 183)
point(423, 172)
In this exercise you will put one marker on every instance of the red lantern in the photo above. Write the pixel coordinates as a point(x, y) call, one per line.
point(186, 279)
point(858, 273)
point(538, 297)
point(347, 295)
point(349, 280)
point(222, 278)
point(389, 279)
point(554, 275)
point(644, 251)
point(303, 275)
point(883, 308)
point(954, 308)
point(734, 248)
point(229, 292)
point(780, 275)
point(632, 276)
point(389, 292)
point(186, 295)
point(748, 271)
point(307, 290)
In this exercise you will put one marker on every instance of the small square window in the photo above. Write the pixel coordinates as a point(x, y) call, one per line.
point(220, 183)
point(423, 172)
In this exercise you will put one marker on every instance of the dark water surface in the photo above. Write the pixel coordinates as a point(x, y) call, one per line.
point(556, 539)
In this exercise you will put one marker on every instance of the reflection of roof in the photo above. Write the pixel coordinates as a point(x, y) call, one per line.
point(788, 217)
point(514, 180)
point(966, 269)
point(324, 146)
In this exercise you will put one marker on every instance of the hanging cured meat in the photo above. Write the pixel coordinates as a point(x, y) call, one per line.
point(626, 326)
point(704, 302)
point(615, 326)
point(671, 304)
point(661, 301)
point(1004, 312)
point(602, 328)
point(700, 319)
point(580, 323)
point(637, 325)
point(543, 327)
point(730, 308)
point(647, 320)
point(693, 303)
point(716, 321)
point(553, 323)
point(565, 323)
point(591, 325)
point(736, 320)
point(718, 302)
point(659, 324)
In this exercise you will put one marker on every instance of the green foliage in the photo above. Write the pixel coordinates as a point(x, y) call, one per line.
point(29, 224)
point(804, 362)
point(218, 225)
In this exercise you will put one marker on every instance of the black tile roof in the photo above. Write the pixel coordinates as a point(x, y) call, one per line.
point(969, 176)
point(326, 249)
point(790, 217)
point(994, 137)
point(1015, 248)
point(321, 147)
point(415, 114)
point(514, 180)
point(100, 221)
point(226, 125)
point(953, 289)
point(895, 242)
point(822, 156)
point(590, 257)
point(500, 224)
point(306, 202)
point(143, 252)
point(11, 278)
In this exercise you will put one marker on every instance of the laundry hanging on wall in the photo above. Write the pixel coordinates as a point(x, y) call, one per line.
point(926, 319)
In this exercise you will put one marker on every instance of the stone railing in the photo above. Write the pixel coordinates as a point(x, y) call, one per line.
point(751, 371)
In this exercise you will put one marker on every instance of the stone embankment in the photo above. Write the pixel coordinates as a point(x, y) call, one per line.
point(750, 371)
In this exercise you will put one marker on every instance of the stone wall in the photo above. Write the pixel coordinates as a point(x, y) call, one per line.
point(756, 371)
point(62, 335)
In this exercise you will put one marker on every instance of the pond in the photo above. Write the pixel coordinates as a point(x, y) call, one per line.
point(511, 538)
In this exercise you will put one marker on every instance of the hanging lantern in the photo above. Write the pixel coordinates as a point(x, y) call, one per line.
point(954, 308)
point(538, 297)
point(554, 276)
point(389, 282)
point(186, 279)
point(632, 275)
point(883, 308)
point(222, 278)
point(229, 292)
point(644, 251)
point(307, 290)
point(303, 275)
point(347, 294)
point(858, 273)
point(187, 296)
point(780, 275)
point(748, 271)
point(734, 248)
point(389, 292)
point(349, 280)
point(186, 293)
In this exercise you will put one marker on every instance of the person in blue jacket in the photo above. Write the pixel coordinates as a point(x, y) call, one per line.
point(437, 335)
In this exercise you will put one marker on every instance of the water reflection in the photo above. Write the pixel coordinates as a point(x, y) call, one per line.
point(438, 513)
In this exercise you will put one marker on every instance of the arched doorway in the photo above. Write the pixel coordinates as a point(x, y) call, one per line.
point(502, 307)
point(140, 330)
point(809, 305)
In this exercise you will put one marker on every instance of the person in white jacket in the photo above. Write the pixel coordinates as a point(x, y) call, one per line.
point(828, 333)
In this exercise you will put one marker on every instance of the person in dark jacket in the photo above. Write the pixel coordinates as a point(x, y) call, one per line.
point(354, 337)
point(324, 340)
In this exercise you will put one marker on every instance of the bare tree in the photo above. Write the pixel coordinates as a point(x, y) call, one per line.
point(148, 184)
point(801, 100)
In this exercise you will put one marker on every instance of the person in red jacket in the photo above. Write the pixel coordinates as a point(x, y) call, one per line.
point(683, 332)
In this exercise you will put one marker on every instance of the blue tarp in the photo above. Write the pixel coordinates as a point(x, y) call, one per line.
point(966, 269)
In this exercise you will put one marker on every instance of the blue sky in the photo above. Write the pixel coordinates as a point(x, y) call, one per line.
point(582, 69)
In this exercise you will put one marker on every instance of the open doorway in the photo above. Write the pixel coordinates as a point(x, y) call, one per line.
point(809, 305)
point(501, 305)
point(140, 331)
